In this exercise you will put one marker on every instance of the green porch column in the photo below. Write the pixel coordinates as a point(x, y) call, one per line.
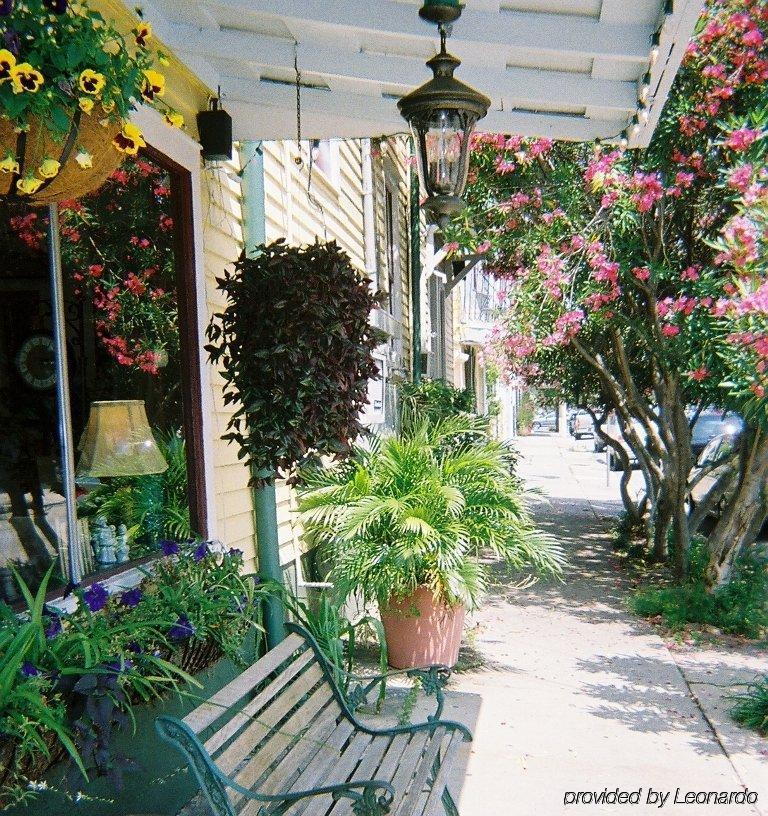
point(415, 216)
point(264, 498)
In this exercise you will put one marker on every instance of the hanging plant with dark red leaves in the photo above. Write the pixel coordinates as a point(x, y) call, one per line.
point(294, 345)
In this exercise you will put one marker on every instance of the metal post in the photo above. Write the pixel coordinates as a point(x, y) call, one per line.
point(63, 412)
point(264, 498)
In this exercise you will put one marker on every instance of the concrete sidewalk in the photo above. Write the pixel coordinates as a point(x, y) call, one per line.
point(567, 692)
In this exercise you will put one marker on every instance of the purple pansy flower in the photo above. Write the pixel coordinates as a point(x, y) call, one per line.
point(56, 6)
point(201, 551)
point(29, 669)
point(12, 41)
point(134, 647)
point(169, 547)
point(96, 597)
point(235, 553)
point(182, 629)
point(6, 7)
point(131, 597)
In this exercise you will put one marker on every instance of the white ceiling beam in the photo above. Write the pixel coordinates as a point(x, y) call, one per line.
point(272, 115)
point(520, 86)
point(551, 33)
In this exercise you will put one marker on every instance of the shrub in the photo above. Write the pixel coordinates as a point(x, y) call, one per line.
point(740, 607)
point(434, 400)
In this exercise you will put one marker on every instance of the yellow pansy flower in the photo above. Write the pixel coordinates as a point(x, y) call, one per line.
point(91, 82)
point(107, 107)
point(129, 140)
point(7, 62)
point(9, 164)
point(84, 159)
point(142, 33)
point(29, 185)
point(154, 85)
point(86, 104)
point(174, 119)
point(49, 168)
point(26, 78)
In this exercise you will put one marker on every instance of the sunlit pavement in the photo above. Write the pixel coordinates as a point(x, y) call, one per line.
point(567, 692)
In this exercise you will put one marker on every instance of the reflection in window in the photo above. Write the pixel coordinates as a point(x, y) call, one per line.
point(122, 324)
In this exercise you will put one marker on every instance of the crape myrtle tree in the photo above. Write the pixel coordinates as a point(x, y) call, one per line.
point(646, 268)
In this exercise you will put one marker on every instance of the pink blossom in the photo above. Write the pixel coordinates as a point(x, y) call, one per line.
point(648, 190)
point(482, 248)
point(670, 330)
point(699, 374)
point(741, 237)
point(642, 273)
point(753, 38)
point(691, 273)
point(740, 178)
point(741, 139)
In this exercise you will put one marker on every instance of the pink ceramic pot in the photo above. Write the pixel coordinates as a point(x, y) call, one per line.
point(422, 633)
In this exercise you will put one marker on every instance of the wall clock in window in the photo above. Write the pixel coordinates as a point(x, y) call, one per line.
point(36, 362)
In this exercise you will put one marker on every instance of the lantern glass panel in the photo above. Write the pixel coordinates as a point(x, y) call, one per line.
point(443, 157)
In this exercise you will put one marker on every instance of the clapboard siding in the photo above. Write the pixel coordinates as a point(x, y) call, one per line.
point(223, 241)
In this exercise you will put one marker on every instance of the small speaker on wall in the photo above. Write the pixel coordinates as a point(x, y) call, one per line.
point(215, 129)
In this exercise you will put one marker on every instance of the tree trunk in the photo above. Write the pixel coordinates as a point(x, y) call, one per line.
point(745, 512)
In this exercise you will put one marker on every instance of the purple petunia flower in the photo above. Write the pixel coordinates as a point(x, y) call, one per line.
point(29, 669)
point(131, 597)
point(134, 647)
point(169, 547)
point(12, 41)
point(96, 597)
point(182, 629)
point(201, 551)
point(118, 666)
point(54, 627)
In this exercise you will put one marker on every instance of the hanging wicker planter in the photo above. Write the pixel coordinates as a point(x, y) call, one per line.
point(86, 158)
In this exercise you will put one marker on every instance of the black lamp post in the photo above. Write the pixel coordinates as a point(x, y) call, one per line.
point(442, 114)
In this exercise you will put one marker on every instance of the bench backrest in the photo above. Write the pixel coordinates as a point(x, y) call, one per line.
point(275, 707)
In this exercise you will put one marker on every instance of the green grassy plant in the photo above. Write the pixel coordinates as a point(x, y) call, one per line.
point(740, 607)
point(751, 708)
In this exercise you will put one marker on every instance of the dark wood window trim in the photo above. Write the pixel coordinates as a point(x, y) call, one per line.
point(191, 377)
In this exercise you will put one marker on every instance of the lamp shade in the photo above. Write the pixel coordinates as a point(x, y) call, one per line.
point(118, 442)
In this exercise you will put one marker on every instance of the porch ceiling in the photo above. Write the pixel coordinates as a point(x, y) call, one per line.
point(567, 69)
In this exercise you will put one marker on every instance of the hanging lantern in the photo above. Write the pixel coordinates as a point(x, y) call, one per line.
point(442, 114)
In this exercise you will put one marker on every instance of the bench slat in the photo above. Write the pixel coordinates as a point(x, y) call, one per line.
point(324, 739)
point(274, 746)
point(262, 728)
point(423, 771)
point(210, 711)
point(434, 804)
point(343, 772)
point(243, 718)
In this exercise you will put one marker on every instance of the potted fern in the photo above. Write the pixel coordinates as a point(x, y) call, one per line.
point(405, 521)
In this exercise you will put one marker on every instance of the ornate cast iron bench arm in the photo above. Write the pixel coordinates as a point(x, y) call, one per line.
point(434, 680)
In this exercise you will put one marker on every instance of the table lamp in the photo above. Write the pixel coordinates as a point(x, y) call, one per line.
point(118, 441)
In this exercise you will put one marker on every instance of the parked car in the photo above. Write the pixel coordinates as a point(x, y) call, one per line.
point(716, 450)
point(712, 424)
point(612, 428)
point(581, 425)
point(545, 421)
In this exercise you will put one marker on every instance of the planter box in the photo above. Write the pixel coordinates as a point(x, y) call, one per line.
point(161, 783)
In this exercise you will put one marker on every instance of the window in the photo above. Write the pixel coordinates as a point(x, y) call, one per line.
point(131, 336)
point(325, 156)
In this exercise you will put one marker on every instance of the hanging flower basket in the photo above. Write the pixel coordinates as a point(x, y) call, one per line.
point(68, 82)
point(83, 161)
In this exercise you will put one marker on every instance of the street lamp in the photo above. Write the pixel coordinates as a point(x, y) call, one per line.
point(442, 114)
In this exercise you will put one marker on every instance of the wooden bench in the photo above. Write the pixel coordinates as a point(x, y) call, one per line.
point(282, 739)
